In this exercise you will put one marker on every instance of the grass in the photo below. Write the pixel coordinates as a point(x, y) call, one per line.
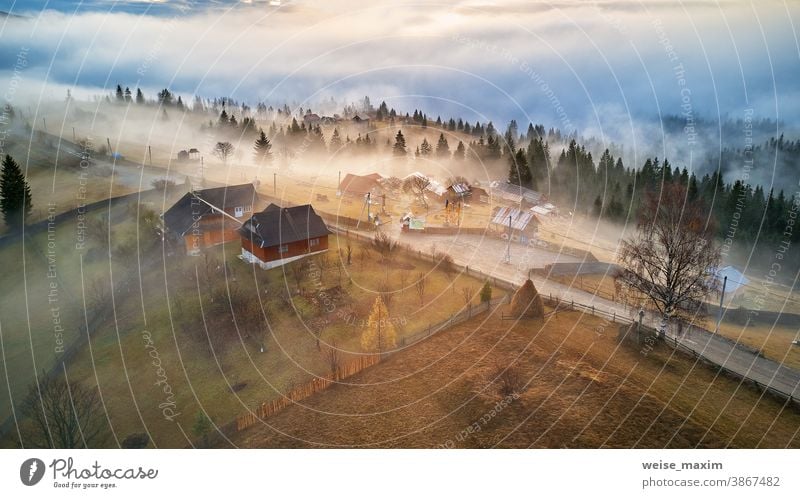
point(580, 388)
point(56, 177)
point(204, 354)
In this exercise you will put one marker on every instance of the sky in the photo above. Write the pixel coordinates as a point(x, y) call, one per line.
point(598, 67)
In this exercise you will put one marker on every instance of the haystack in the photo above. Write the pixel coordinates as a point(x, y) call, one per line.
point(527, 303)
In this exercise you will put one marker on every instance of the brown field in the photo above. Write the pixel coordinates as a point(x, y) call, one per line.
point(580, 388)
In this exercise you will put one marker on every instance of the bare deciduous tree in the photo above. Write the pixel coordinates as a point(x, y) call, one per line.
point(404, 274)
point(384, 245)
point(672, 257)
point(386, 292)
point(419, 285)
point(63, 415)
point(509, 380)
point(467, 293)
point(418, 185)
point(223, 150)
point(333, 356)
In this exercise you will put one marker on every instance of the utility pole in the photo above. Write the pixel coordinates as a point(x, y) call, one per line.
point(108, 141)
point(639, 327)
point(73, 135)
point(202, 169)
point(721, 302)
point(508, 246)
point(150, 154)
point(275, 184)
point(338, 185)
point(44, 123)
point(368, 199)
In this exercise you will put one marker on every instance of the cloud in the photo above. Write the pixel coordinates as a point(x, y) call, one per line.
point(470, 57)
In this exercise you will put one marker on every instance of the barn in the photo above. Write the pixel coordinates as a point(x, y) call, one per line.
point(277, 235)
point(205, 218)
point(361, 185)
point(522, 224)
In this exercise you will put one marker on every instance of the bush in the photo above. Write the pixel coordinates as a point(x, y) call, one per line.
point(136, 440)
point(486, 293)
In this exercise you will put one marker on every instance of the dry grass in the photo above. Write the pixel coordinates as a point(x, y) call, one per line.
point(583, 390)
point(200, 371)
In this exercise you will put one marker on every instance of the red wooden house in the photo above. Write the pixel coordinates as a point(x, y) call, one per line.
point(204, 218)
point(277, 235)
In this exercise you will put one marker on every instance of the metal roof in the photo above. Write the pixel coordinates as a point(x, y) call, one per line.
point(519, 218)
point(460, 188)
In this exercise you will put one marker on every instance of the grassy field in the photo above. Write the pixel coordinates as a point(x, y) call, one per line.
point(202, 321)
point(58, 180)
point(51, 285)
point(578, 388)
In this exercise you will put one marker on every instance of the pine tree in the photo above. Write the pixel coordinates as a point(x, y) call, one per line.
point(224, 120)
point(399, 148)
point(460, 153)
point(425, 148)
point(262, 148)
point(336, 139)
point(128, 94)
point(165, 97)
point(442, 148)
point(379, 335)
point(139, 96)
point(15, 194)
point(120, 95)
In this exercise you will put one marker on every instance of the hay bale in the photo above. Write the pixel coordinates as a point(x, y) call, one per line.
point(527, 303)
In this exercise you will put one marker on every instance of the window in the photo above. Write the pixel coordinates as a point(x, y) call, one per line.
point(313, 242)
point(282, 249)
point(238, 211)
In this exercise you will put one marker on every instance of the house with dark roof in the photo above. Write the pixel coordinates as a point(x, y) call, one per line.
point(277, 235)
point(204, 218)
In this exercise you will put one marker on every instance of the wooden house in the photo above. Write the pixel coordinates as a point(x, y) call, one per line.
point(277, 235)
point(204, 218)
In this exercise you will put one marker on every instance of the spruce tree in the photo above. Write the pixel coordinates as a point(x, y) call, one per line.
point(15, 194)
point(399, 148)
point(442, 148)
point(263, 148)
point(139, 96)
point(336, 139)
point(425, 148)
point(460, 152)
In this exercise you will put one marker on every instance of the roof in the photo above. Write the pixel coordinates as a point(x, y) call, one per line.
point(736, 278)
point(460, 188)
point(196, 204)
point(433, 186)
point(515, 193)
point(541, 210)
point(519, 218)
point(355, 184)
point(276, 225)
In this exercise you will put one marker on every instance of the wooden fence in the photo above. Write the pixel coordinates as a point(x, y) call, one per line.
point(306, 390)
